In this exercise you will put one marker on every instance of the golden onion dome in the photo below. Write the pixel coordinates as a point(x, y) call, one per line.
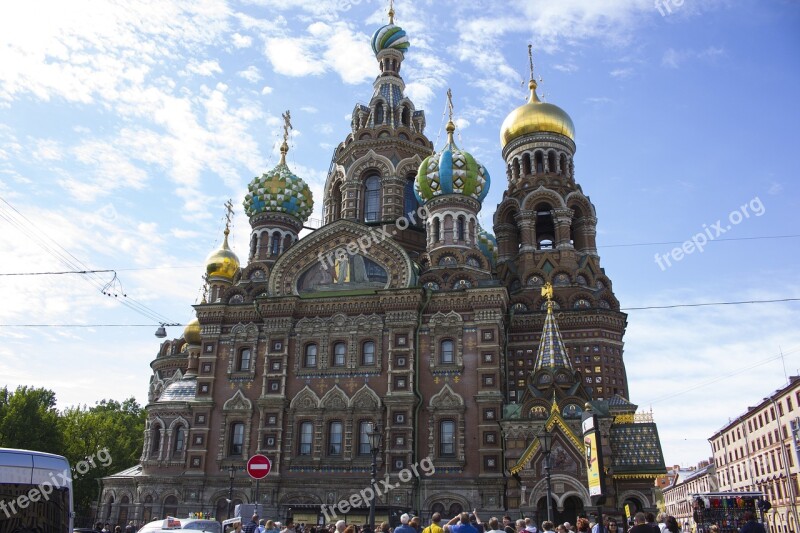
point(534, 117)
point(222, 264)
point(191, 333)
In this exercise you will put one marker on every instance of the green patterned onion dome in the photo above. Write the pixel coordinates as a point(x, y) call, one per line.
point(487, 245)
point(451, 171)
point(278, 190)
point(390, 36)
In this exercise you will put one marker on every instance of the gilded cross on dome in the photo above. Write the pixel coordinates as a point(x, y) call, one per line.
point(391, 11)
point(530, 57)
point(287, 125)
point(228, 215)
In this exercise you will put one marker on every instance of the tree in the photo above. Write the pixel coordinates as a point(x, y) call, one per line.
point(116, 428)
point(29, 420)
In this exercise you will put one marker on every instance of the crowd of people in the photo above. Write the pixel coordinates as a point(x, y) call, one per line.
point(471, 523)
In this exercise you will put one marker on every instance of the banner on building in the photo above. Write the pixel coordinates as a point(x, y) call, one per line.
point(594, 456)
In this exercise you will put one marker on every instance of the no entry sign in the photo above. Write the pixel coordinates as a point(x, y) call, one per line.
point(258, 466)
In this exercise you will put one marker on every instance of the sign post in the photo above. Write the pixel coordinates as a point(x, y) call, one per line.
point(594, 463)
point(258, 466)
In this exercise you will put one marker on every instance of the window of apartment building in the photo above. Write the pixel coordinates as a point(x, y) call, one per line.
point(237, 438)
point(306, 438)
point(310, 360)
point(335, 438)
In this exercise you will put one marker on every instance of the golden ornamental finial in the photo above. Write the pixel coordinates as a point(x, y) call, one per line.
point(532, 83)
point(391, 11)
point(547, 292)
point(287, 125)
point(205, 289)
point(451, 126)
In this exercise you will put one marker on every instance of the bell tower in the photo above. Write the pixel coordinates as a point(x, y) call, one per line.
point(546, 228)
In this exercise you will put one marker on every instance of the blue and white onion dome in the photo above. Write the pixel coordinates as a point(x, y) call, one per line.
point(487, 244)
point(451, 171)
point(279, 191)
point(390, 36)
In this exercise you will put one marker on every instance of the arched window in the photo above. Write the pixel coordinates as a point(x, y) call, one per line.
point(364, 427)
point(336, 202)
point(545, 228)
point(147, 511)
point(276, 243)
point(526, 164)
point(410, 204)
point(368, 353)
point(306, 438)
point(563, 166)
point(244, 360)
point(179, 439)
point(339, 354)
point(447, 356)
point(539, 160)
point(372, 199)
point(171, 506)
point(406, 116)
point(461, 230)
point(551, 161)
point(237, 438)
point(123, 510)
point(437, 226)
point(447, 438)
point(311, 356)
point(335, 438)
point(155, 430)
point(378, 113)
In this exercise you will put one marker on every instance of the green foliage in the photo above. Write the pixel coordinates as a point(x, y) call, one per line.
point(29, 420)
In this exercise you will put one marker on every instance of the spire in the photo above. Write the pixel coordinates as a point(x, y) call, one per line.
point(552, 353)
point(287, 125)
point(451, 126)
point(391, 11)
point(532, 83)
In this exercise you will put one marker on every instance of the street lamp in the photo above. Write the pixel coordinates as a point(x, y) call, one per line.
point(546, 442)
point(375, 435)
point(231, 474)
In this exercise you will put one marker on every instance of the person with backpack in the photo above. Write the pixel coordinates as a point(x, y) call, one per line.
point(434, 527)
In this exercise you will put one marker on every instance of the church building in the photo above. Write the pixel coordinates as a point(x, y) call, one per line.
point(401, 315)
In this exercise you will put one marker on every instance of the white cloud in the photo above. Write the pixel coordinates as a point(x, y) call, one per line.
point(242, 41)
point(250, 74)
point(267, 90)
point(621, 73)
point(566, 67)
point(309, 109)
point(292, 57)
point(203, 68)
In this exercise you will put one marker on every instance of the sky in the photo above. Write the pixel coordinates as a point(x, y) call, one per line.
point(126, 125)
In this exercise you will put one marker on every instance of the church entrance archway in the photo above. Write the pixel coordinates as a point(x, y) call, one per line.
point(541, 510)
point(573, 508)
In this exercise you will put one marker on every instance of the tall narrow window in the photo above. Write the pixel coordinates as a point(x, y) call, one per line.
point(368, 353)
point(276, 243)
point(372, 199)
point(461, 229)
point(436, 229)
point(364, 427)
point(237, 438)
point(447, 352)
point(156, 431)
point(306, 438)
point(311, 356)
point(447, 438)
point(339, 353)
point(244, 360)
point(539, 162)
point(335, 439)
point(179, 439)
point(379, 114)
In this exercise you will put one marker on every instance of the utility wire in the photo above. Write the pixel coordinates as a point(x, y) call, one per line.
point(12, 215)
point(55, 273)
point(720, 377)
point(175, 324)
point(707, 304)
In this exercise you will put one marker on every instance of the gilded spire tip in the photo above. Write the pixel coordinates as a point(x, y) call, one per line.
point(547, 292)
point(451, 126)
point(391, 11)
point(532, 83)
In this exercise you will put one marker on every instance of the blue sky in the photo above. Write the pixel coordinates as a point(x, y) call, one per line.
point(124, 127)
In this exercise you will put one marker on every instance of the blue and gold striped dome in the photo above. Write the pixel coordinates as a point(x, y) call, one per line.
point(279, 191)
point(451, 171)
point(390, 36)
point(487, 244)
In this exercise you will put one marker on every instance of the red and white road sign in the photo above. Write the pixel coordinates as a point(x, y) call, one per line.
point(258, 466)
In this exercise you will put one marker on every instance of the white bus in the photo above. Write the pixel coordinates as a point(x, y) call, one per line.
point(35, 492)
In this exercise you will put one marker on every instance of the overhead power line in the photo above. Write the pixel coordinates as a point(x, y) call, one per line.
point(763, 238)
point(55, 273)
point(708, 304)
point(20, 222)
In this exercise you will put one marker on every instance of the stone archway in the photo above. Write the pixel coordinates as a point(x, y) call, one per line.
point(572, 509)
point(541, 510)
